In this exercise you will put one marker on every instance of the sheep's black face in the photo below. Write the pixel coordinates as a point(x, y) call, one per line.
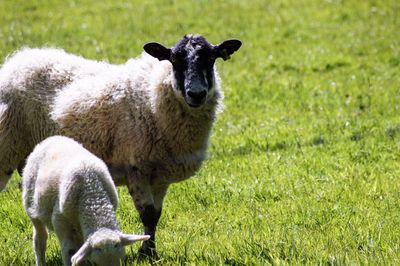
point(193, 59)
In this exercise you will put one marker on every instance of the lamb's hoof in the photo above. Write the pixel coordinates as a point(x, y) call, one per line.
point(147, 253)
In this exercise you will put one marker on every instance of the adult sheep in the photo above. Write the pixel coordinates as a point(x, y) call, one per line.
point(69, 190)
point(149, 119)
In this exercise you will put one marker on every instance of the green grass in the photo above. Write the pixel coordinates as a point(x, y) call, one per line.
point(304, 163)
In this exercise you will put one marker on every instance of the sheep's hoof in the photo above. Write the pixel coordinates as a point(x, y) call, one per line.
point(147, 253)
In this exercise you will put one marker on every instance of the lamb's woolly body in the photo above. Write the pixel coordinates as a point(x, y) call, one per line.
point(63, 177)
point(66, 186)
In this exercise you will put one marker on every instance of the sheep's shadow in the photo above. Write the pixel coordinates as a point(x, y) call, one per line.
point(55, 260)
point(251, 147)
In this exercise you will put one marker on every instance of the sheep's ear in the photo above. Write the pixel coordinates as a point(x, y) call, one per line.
point(228, 47)
point(81, 254)
point(127, 239)
point(157, 50)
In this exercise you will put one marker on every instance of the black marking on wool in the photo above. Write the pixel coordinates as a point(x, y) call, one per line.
point(150, 216)
point(193, 60)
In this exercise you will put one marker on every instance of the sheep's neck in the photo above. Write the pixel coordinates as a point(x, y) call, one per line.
point(185, 129)
point(95, 208)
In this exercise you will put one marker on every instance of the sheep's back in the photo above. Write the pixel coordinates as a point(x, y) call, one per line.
point(107, 112)
point(35, 75)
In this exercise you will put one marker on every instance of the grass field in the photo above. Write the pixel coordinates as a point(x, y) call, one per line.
point(304, 163)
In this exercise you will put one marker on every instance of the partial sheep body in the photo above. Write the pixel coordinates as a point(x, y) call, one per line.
point(149, 119)
point(29, 80)
point(70, 191)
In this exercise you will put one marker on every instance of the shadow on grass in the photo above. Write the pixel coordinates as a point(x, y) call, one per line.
point(252, 147)
point(331, 66)
point(133, 258)
point(55, 260)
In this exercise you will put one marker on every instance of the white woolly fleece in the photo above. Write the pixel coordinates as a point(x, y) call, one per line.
point(69, 190)
point(128, 114)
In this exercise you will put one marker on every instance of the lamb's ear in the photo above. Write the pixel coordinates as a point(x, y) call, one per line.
point(127, 239)
point(81, 254)
point(228, 47)
point(157, 50)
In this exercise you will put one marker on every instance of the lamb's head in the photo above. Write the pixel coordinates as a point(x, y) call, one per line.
point(193, 59)
point(105, 247)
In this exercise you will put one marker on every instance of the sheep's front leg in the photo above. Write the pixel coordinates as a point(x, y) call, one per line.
point(39, 241)
point(148, 200)
point(150, 215)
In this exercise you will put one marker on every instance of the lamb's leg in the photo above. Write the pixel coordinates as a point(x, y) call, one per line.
point(148, 202)
point(39, 241)
point(65, 234)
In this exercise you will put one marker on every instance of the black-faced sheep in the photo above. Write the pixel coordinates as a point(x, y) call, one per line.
point(149, 119)
point(69, 190)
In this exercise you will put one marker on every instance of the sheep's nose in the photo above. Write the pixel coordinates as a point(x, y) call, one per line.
point(197, 95)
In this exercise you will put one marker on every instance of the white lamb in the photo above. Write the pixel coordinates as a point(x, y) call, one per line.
point(69, 190)
point(149, 119)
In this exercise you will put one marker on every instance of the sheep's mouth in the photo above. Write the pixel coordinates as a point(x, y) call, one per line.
point(193, 102)
point(194, 105)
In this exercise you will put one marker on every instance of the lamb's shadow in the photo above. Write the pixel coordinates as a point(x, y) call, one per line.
point(56, 260)
point(133, 258)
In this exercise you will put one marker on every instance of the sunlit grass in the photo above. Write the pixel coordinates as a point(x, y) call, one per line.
point(303, 165)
